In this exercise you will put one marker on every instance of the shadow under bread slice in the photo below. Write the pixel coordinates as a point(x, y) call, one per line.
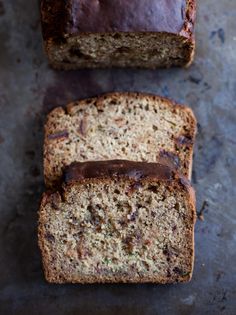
point(131, 126)
point(118, 221)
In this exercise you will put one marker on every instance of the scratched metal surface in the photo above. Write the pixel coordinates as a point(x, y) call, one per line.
point(29, 88)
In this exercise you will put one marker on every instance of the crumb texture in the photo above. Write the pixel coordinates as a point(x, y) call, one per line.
point(133, 127)
point(117, 231)
point(153, 50)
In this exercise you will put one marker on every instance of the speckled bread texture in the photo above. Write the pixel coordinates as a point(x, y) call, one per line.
point(118, 221)
point(105, 33)
point(131, 126)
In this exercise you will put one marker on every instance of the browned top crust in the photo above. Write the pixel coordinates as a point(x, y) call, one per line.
point(117, 168)
point(61, 18)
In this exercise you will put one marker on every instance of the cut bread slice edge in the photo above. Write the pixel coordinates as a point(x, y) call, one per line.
point(57, 134)
point(98, 173)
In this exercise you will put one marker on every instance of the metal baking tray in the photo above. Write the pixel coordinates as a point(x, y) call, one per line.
point(29, 89)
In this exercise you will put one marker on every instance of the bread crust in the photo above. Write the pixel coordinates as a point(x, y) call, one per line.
point(50, 127)
point(57, 197)
point(79, 171)
point(63, 20)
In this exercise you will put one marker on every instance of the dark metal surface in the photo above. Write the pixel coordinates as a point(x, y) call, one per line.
point(28, 89)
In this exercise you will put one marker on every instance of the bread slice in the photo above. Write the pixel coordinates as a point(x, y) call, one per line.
point(131, 126)
point(118, 221)
point(135, 33)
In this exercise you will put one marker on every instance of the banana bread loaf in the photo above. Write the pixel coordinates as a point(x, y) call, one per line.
point(130, 126)
point(118, 221)
point(104, 33)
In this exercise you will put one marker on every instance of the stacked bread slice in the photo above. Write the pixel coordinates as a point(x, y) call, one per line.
point(119, 205)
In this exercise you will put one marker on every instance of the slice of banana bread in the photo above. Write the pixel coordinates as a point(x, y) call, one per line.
point(105, 33)
point(129, 126)
point(118, 221)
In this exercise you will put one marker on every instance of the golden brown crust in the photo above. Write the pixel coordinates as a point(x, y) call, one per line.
point(49, 128)
point(41, 239)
